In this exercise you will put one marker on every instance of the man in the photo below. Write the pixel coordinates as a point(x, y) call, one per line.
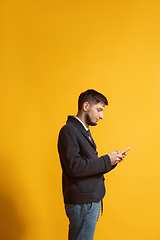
point(82, 177)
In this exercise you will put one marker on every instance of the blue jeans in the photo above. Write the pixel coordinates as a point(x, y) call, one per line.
point(83, 219)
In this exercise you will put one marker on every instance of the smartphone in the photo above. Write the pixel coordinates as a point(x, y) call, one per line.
point(126, 150)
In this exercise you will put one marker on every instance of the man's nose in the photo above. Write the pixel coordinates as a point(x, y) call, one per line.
point(101, 115)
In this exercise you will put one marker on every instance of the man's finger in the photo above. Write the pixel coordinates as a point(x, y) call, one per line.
point(120, 156)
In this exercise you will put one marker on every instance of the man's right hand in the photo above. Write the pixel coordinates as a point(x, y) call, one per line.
point(116, 157)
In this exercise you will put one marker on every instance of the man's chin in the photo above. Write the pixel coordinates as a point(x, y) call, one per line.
point(89, 122)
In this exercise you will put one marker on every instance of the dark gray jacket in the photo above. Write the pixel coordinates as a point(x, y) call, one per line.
point(82, 176)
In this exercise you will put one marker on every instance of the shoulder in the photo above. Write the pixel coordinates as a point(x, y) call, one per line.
point(67, 136)
point(72, 128)
point(68, 128)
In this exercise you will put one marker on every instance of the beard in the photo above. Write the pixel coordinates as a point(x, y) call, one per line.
point(89, 121)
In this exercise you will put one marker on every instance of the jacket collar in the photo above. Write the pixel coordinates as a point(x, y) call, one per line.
point(79, 125)
point(82, 123)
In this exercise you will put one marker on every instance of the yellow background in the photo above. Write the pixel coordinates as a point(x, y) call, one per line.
point(50, 52)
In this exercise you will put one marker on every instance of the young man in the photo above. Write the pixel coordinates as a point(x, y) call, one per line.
point(82, 169)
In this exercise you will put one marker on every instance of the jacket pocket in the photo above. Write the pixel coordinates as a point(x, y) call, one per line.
point(89, 186)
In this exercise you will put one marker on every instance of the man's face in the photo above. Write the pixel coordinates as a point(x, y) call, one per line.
point(94, 113)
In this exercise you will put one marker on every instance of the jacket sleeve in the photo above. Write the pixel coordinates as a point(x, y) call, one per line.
point(74, 164)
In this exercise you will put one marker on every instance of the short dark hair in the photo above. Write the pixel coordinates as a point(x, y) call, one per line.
point(92, 97)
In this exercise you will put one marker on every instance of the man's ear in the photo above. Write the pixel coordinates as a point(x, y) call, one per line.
point(85, 106)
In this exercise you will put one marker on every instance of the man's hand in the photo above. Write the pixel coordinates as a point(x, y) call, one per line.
point(116, 157)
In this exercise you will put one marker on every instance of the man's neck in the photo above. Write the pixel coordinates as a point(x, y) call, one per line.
point(82, 119)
